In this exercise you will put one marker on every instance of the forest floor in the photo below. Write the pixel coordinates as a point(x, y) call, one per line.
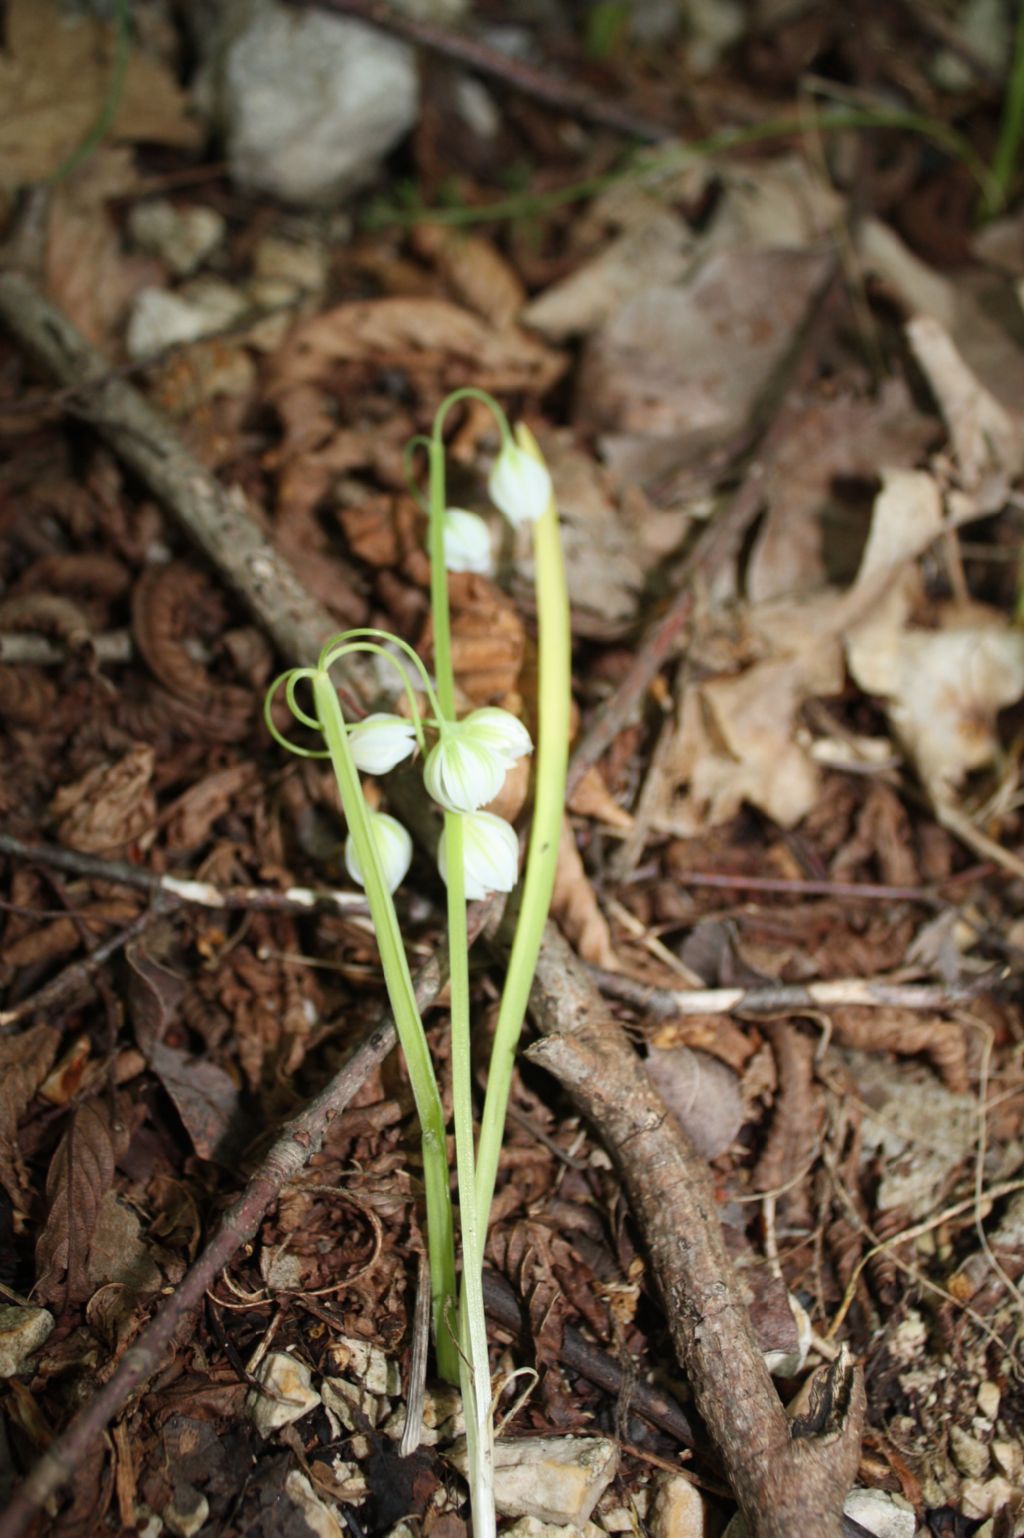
point(780, 389)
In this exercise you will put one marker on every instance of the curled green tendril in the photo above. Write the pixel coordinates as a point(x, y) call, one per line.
point(289, 680)
point(340, 645)
point(419, 442)
point(470, 392)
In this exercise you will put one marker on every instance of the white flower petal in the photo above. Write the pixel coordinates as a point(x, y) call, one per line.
point(519, 485)
point(467, 542)
point(490, 855)
point(394, 846)
point(381, 741)
point(500, 731)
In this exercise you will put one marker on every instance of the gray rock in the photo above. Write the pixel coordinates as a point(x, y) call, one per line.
point(22, 1331)
point(307, 102)
point(287, 1393)
point(558, 1480)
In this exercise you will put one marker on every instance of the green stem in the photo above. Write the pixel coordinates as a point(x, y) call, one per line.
point(554, 700)
point(111, 104)
point(408, 1024)
point(475, 1375)
point(648, 166)
point(1011, 129)
point(439, 585)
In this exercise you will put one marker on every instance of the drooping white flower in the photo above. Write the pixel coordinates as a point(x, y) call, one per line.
point(490, 855)
point(467, 542)
point(394, 847)
point(500, 731)
point(462, 773)
point(381, 741)
point(519, 484)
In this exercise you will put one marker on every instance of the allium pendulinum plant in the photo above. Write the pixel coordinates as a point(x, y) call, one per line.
point(465, 762)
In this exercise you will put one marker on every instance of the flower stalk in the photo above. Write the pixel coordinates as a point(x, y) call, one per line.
point(478, 854)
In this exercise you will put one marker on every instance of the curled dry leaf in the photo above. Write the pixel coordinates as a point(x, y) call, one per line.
point(907, 1033)
point(194, 814)
point(80, 1174)
point(205, 1097)
point(575, 907)
point(799, 1112)
point(24, 1063)
point(27, 696)
point(163, 606)
point(110, 806)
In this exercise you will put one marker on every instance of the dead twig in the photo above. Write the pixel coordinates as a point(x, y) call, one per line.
point(182, 889)
point(564, 96)
point(789, 1476)
point(833, 994)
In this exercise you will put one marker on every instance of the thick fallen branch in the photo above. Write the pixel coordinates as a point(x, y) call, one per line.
point(789, 1477)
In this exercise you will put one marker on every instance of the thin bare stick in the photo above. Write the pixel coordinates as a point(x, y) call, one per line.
point(834, 994)
point(181, 889)
point(291, 1151)
point(789, 1476)
point(875, 891)
point(565, 96)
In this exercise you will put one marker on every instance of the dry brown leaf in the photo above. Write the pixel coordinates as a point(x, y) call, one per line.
point(418, 335)
point(654, 252)
point(592, 798)
point(475, 271)
point(575, 907)
point(679, 369)
point(702, 1094)
point(837, 436)
point(110, 806)
point(88, 274)
point(986, 437)
point(488, 639)
point(55, 80)
point(907, 1033)
point(204, 1096)
point(80, 1174)
point(24, 1063)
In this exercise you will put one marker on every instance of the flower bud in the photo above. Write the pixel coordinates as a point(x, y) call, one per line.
point(381, 741)
point(467, 542)
point(519, 484)
point(461, 773)
point(394, 848)
point(490, 855)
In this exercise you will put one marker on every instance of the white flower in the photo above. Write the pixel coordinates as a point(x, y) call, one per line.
point(500, 731)
point(519, 484)
point(461, 773)
point(467, 542)
point(490, 855)
point(394, 847)
point(467, 767)
point(381, 741)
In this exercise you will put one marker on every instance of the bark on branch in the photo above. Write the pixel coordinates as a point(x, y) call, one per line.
point(789, 1477)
